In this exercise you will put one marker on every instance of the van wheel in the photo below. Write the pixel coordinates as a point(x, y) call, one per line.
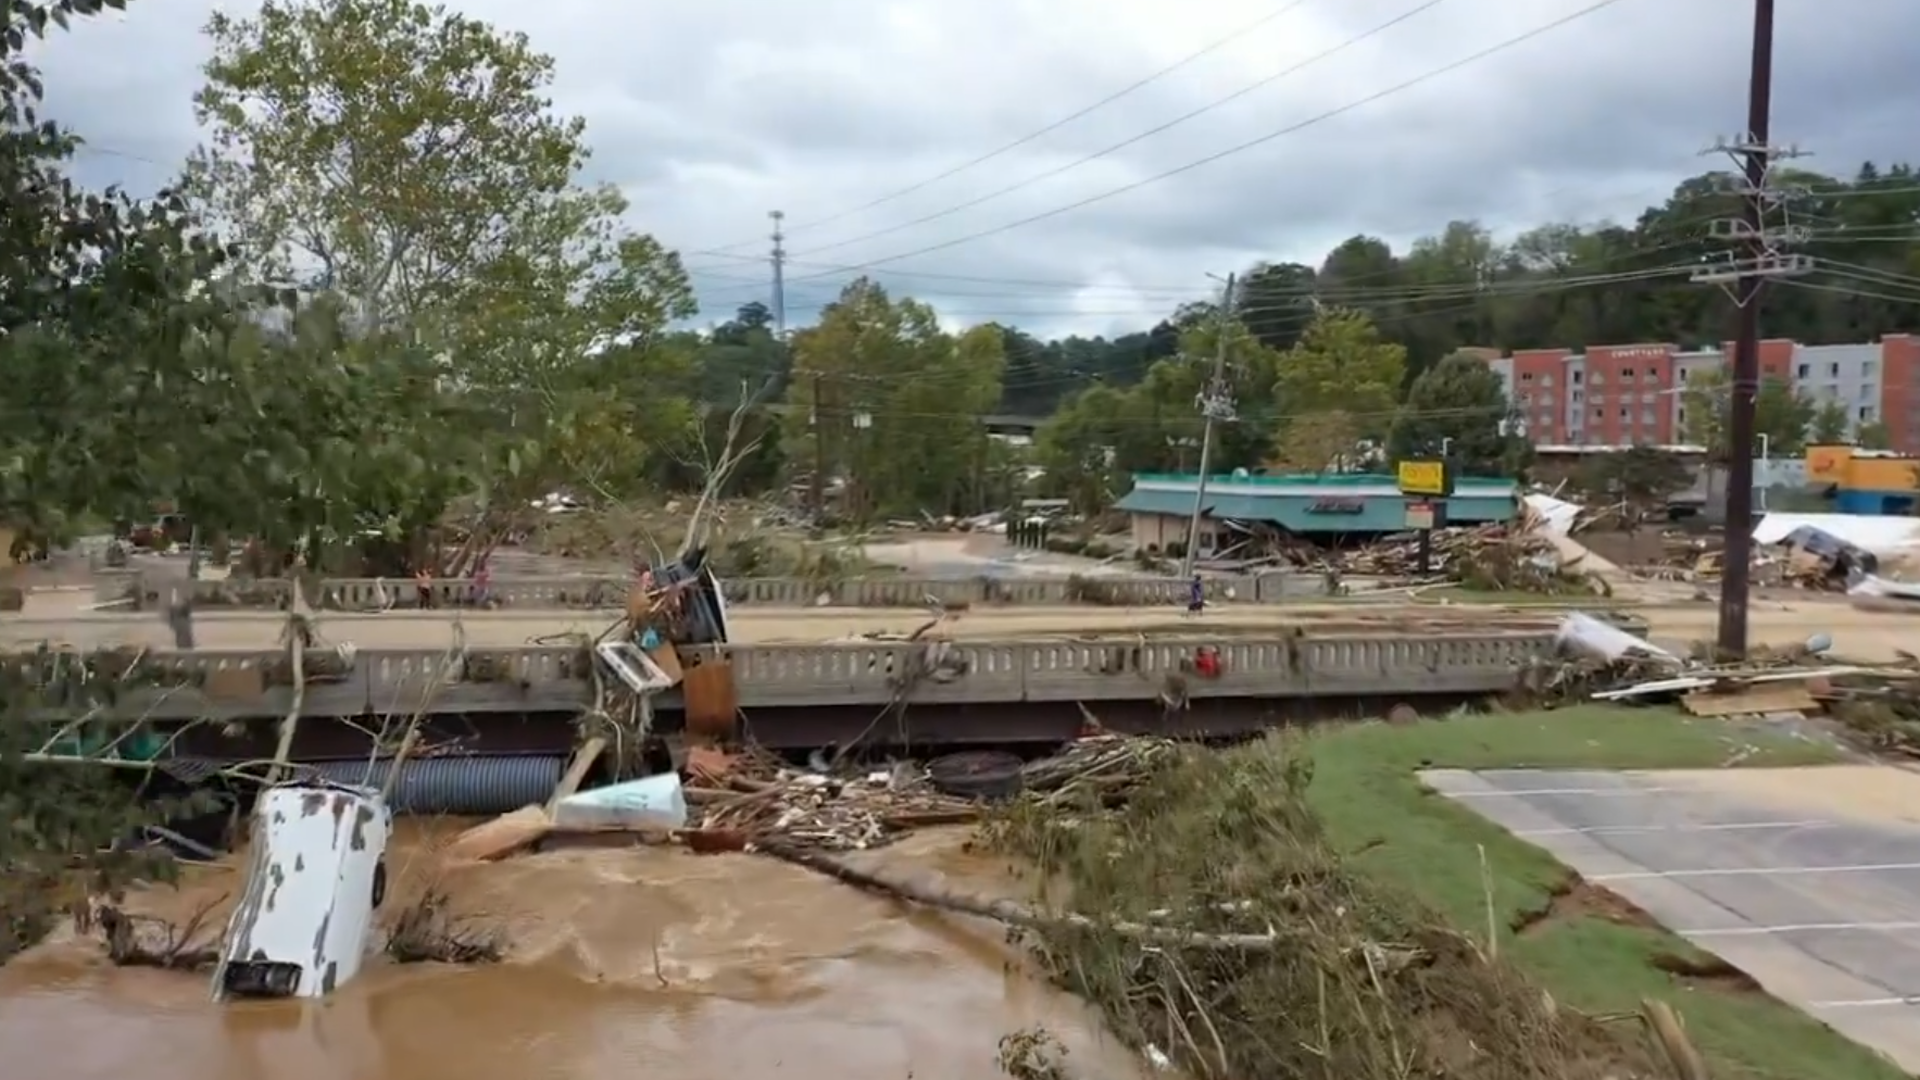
point(379, 883)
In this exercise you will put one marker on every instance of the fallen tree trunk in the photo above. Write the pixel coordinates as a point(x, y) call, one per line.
point(1006, 911)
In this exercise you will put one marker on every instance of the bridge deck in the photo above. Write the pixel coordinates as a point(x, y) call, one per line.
point(427, 630)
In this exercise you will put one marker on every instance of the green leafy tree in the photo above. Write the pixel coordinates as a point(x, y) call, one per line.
point(1340, 364)
point(100, 295)
point(1874, 436)
point(1460, 406)
point(1642, 477)
point(891, 402)
point(1829, 424)
point(1079, 448)
point(1555, 285)
point(1781, 414)
point(405, 160)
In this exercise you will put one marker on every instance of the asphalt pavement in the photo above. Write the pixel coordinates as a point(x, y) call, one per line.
point(1819, 904)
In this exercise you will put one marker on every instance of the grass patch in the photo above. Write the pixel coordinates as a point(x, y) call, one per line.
point(1384, 823)
point(1373, 892)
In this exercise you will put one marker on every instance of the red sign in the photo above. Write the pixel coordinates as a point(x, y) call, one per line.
point(1337, 506)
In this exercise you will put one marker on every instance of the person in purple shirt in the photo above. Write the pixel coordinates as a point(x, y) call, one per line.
point(1196, 596)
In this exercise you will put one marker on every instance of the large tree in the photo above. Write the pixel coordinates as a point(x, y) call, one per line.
point(891, 403)
point(101, 295)
point(1341, 364)
point(1781, 415)
point(1460, 407)
point(406, 160)
point(101, 298)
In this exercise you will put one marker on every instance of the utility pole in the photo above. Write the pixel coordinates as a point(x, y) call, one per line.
point(1216, 403)
point(816, 491)
point(779, 258)
point(1756, 259)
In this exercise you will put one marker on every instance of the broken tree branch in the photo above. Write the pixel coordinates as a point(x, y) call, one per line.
point(1006, 911)
point(722, 468)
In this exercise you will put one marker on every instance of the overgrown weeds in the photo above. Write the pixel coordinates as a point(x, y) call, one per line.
point(1359, 983)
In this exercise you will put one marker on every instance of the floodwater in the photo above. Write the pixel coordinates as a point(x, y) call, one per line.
point(623, 960)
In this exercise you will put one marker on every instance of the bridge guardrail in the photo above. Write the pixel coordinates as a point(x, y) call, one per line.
point(584, 592)
point(526, 679)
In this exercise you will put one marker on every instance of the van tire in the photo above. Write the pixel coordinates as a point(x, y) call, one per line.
point(379, 883)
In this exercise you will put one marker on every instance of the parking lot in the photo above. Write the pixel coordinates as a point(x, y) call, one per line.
point(1808, 880)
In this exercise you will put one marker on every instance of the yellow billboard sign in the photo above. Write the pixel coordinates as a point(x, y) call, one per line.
point(1424, 478)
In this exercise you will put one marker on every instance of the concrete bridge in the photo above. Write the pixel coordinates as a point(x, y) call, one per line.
point(798, 694)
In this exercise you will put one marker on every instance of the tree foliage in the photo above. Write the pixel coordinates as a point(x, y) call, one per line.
point(1341, 363)
point(886, 400)
point(1829, 423)
point(1643, 477)
point(1459, 407)
point(1781, 414)
point(103, 299)
point(402, 164)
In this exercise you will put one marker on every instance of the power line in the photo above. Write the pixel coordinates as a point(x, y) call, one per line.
point(1141, 137)
point(1056, 125)
point(1251, 143)
point(1179, 291)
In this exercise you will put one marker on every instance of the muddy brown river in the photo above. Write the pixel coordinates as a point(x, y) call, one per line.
point(624, 962)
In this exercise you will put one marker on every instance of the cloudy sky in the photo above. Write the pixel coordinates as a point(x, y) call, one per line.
point(845, 114)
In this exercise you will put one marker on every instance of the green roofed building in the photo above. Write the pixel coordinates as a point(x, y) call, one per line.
point(1330, 506)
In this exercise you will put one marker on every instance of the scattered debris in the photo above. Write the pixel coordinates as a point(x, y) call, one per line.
point(427, 931)
point(758, 800)
point(1878, 704)
point(651, 803)
point(147, 941)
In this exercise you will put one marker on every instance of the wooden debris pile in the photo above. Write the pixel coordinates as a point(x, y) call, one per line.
point(1495, 557)
point(753, 798)
point(1106, 769)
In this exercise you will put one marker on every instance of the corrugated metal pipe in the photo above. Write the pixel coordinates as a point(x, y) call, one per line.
point(468, 785)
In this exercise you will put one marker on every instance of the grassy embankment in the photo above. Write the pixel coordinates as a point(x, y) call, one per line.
point(1383, 905)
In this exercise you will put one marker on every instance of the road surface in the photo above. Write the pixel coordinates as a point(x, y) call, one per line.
point(60, 618)
point(1808, 880)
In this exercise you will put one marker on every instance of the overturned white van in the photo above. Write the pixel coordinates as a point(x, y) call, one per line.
point(316, 873)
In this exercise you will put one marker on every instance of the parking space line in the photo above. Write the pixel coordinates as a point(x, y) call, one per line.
point(1528, 793)
point(1867, 1003)
point(1753, 871)
point(1801, 928)
point(1612, 830)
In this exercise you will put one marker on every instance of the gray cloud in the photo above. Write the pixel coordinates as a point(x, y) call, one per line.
point(710, 115)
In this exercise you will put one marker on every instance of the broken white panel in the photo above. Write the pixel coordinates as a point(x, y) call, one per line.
point(654, 802)
point(1583, 635)
point(316, 874)
point(1557, 516)
point(1879, 588)
point(1880, 534)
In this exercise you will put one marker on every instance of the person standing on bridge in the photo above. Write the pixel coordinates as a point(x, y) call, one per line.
point(1196, 595)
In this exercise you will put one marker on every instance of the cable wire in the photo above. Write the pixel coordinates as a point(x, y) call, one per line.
point(1056, 125)
point(1141, 137)
point(1249, 144)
